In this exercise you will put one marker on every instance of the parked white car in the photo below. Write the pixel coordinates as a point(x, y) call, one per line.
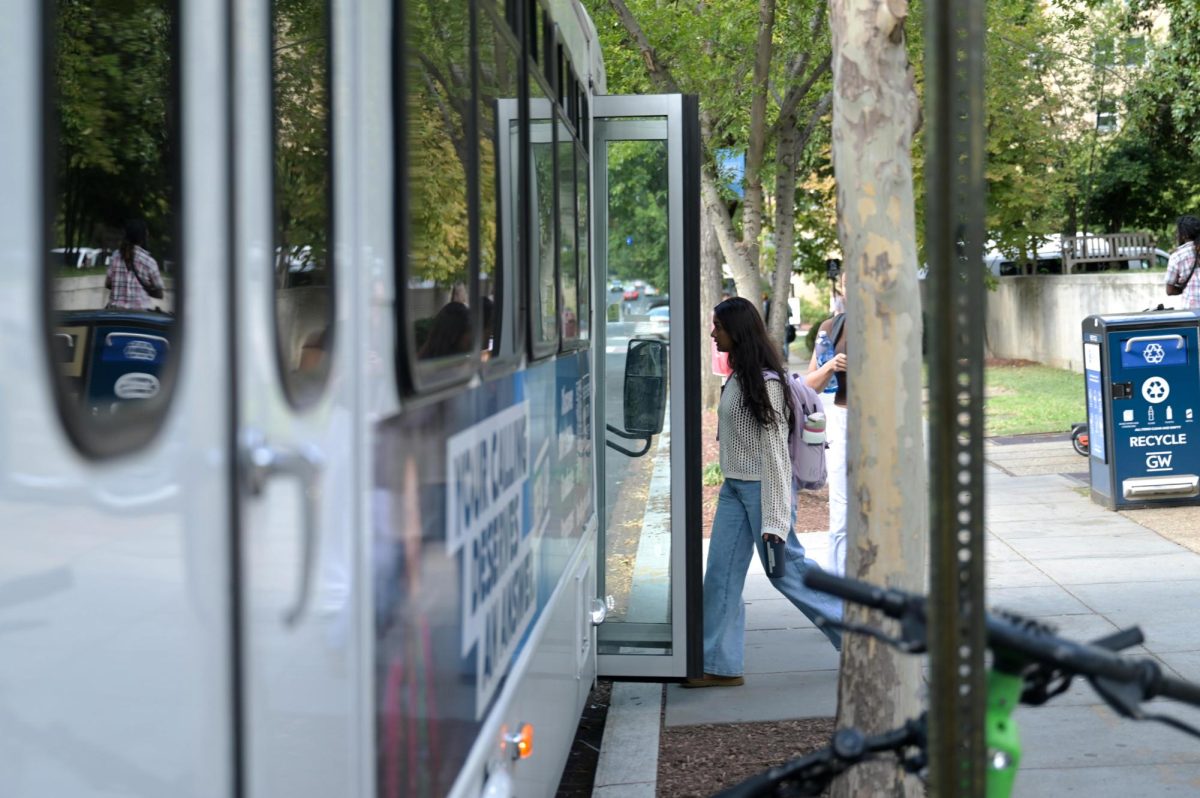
point(1139, 260)
point(1049, 260)
point(657, 323)
point(81, 258)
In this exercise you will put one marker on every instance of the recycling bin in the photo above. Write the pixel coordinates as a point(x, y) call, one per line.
point(1142, 378)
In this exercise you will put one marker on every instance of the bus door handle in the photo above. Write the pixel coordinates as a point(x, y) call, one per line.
point(261, 462)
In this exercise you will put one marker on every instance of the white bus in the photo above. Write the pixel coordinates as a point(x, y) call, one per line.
point(365, 520)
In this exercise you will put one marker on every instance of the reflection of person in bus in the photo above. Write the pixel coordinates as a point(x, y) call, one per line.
point(411, 757)
point(489, 310)
point(570, 324)
point(755, 506)
point(450, 332)
point(133, 279)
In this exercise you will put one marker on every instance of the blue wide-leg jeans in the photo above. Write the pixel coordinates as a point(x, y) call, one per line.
point(737, 532)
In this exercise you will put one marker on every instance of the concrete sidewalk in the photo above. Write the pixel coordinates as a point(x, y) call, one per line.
point(1053, 555)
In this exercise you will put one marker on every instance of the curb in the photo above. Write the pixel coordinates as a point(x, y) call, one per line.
point(628, 766)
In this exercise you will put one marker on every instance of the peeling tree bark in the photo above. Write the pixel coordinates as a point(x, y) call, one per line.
point(875, 114)
point(710, 295)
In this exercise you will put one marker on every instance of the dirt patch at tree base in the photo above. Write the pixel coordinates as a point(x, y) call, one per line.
point(701, 760)
point(1009, 362)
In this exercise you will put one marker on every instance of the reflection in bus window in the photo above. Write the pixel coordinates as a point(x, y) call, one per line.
point(438, 242)
point(566, 234)
point(637, 225)
point(303, 192)
point(449, 333)
point(581, 243)
point(544, 298)
point(497, 108)
point(113, 208)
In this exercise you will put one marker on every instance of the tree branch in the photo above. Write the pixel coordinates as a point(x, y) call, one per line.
point(787, 108)
point(660, 74)
point(744, 274)
point(752, 209)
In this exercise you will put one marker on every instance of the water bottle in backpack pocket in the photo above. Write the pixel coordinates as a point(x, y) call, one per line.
point(806, 437)
point(825, 353)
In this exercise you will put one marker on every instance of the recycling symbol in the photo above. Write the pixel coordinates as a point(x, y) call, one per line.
point(1154, 353)
point(1155, 390)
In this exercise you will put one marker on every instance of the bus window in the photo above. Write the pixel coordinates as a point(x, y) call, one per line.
point(582, 243)
point(567, 266)
point(441, 313)
point(112, 267)
point(303, 162)
point(498, 120)
point(543, 299)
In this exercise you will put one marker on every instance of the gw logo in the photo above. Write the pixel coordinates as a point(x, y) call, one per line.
point(1157, 461)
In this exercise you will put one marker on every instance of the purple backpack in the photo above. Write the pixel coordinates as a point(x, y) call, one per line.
point(808, 459)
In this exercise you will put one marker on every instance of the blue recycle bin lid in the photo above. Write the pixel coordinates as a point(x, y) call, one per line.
point(1146, 316)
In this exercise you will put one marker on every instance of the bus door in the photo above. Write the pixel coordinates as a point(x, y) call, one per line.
point(297, 487)
point(646, 214)
point(114, 485)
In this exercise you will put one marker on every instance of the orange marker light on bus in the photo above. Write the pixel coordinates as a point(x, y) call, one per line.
point(522, 741)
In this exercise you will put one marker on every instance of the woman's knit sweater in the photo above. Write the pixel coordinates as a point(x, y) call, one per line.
point(758, 453)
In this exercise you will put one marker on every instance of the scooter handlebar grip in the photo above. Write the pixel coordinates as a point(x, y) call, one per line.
point(890, 602)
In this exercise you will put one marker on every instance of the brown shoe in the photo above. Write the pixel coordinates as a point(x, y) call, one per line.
point(712, 680)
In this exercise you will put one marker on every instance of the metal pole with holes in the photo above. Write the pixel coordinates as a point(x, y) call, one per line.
point(955, 244)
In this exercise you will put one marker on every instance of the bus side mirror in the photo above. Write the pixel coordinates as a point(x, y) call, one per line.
point(645, 397)
point(645, 386)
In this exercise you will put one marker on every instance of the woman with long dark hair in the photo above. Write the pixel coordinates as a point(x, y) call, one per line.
point(755, 504)
point(1182, 265)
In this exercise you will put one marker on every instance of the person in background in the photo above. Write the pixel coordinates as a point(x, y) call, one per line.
point(1183, 262)
point(450, 333)
point(133, 279)
point(755, 505)
point(818, 378)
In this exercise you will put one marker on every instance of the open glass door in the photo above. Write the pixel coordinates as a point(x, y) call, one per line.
point(646, 210)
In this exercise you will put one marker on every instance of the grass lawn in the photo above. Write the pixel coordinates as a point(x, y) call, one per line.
point(1032, 398)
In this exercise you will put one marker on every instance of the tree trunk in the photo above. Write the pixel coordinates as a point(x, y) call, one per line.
point(785, 229)
point(745, 273)
point(710, 295)
point(752, 209)
point(875, 114)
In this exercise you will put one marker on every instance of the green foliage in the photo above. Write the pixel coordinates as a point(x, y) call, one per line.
point(1032, 398)
point(637, 198)
point(303, 157)
point(113, 103)
point(1147, 177)
point(1029, 139)
point(713, 475)
point(709, 49)
point(813, 312)
point(438, 93)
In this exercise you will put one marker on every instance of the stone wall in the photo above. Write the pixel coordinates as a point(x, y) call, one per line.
point(89, 293)
point(1039, 317)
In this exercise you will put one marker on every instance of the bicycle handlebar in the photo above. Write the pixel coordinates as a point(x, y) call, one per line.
point(1037, 644)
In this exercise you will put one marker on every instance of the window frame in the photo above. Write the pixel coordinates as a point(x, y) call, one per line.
point(540, 349)
point(510, 279)
point(314, 394)
point(576, 341)
point(136, 431)
point(413, 377)
point(583, 236)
